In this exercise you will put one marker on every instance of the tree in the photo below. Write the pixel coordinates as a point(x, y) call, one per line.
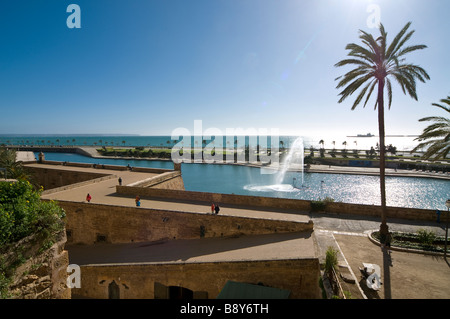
point(322, 150)
point(14, 168)
point(436, 136)
point(376, 63)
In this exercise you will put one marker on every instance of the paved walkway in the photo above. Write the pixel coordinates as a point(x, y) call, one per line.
point(104, 192)
point(256, 247)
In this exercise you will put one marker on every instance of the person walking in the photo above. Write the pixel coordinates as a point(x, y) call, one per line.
point(88, 198)
point(138, 201)
point(120, 181)
point(217, 209)
point(212, 208)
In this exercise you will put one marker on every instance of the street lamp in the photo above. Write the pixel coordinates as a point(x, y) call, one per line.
point(447, 203)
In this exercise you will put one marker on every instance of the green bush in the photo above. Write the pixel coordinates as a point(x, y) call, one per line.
point(22, 213)
point(320, 205)
point(331, 260)
point(426, 237)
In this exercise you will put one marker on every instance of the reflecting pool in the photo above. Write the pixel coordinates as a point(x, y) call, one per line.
point(234, 179)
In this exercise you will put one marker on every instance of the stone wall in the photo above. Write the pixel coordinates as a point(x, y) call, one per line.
point(300, 276)
point(223, 199)
point(302, 206)
point(89, 223)
point(375, 210)
point(166, 180)
point(42, 275)
point(51, 178)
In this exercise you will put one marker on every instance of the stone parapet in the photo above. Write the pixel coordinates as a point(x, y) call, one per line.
point(89, 223)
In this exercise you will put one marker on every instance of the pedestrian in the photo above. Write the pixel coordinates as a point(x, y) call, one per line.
point(88, 198)
point(120, 181)
point(138, 201)
point(217, 209)
point(438, 213)
point(212, 208)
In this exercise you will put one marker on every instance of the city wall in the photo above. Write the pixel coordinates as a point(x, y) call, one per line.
point(88, 223)
point(295, 205)
point(53, 178)
point(151, 280)
point(222, 199)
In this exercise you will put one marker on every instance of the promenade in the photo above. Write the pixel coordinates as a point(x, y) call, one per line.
point(409, 275)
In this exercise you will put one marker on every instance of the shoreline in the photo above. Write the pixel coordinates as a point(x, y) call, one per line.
point(313, 168)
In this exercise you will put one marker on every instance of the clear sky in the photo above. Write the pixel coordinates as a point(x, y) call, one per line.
point(149, 67)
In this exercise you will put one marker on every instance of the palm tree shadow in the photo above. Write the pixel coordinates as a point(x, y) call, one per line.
point(386, 278)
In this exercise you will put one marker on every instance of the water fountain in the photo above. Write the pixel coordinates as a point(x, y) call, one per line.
point(294, 160)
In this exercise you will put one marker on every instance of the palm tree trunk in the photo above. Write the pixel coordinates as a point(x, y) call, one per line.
point(383, 227)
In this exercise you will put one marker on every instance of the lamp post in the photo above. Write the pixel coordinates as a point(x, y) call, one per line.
point(447, 203)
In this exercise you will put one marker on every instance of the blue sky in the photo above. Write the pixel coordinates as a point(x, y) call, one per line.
point(149, 67)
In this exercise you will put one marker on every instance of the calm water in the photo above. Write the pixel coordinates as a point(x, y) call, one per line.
point(400, 191)
point(76, 158)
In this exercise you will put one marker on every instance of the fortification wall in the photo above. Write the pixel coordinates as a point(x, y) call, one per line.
point(53, 178)
point(230, 199)
point(89, 223)
point(167, 180)
point(149, 281)
point(375, 210)
point(279, 203)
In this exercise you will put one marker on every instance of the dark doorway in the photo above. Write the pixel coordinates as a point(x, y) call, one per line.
point(176, 292)
point(113, 290)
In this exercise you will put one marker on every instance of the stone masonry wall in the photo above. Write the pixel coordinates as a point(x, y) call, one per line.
point(230, 199)
point(300, 276)
point(43, 275)
point(280, 203)
point(53, 178)
point(89, 223)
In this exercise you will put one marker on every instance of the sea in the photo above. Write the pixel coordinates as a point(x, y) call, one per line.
point(401, 142)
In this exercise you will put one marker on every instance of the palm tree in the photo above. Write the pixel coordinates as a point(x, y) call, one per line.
point(13, 168)
point(376, 63)
point(436, 136)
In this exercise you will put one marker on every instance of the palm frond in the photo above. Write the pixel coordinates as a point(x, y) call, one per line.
point(374, 82)
point(392, 48)
point(352, 87)
point(389, 89)
point(436, 137)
